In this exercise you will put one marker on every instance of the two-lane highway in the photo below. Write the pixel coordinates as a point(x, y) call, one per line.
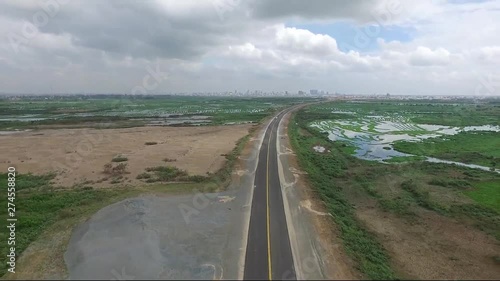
point(268, 254)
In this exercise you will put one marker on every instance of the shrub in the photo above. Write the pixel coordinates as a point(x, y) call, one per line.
point(119, 169)
point(150, 143)
point(167, 173)
point(439, 182)
point(119, 159)
point(197, 178)
point(115, 180)
point(108, 168)
point(450, 183)
point(143, 176)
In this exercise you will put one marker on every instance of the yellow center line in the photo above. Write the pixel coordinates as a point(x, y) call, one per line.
point(270, 270)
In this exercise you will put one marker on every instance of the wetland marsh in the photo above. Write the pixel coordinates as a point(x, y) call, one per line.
point(411, 185)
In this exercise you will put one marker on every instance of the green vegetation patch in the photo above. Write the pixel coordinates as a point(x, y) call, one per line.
point(167, 173)
point(119, 159)
point(28, 181)
point(37, 209)
point(454, 183)
point(486, 194)
point(481, 148)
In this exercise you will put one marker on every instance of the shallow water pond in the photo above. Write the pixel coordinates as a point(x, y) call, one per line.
point(373, 136)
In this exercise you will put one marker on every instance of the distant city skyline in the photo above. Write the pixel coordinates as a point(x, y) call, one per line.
point(319, 94)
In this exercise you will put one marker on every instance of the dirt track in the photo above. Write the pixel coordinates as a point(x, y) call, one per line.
point(80, 154)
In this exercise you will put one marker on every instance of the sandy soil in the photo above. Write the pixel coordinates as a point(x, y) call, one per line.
point(79, 155)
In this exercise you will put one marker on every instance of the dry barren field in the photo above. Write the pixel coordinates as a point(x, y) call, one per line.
point(79, 155)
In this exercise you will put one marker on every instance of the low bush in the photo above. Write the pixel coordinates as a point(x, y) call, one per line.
point(119, 169)
point(143, 176)
point(119, 159)
point(167, 173)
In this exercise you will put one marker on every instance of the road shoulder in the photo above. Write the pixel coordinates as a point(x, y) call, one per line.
point(316, 246)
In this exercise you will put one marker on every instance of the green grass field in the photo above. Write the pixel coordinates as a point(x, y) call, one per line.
point(486, 194)
point(481, 148)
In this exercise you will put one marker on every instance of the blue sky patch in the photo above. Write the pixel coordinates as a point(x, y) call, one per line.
point(361, 38)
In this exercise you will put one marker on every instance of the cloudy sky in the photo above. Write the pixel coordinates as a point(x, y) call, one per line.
point(347, 46)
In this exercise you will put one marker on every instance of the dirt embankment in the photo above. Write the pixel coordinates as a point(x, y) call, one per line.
point(79, 155)
point(335, 262)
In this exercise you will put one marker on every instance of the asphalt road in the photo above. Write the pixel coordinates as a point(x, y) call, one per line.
point(268, 255)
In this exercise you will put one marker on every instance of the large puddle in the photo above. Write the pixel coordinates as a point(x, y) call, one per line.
point(374, 136)
point(155, 237)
